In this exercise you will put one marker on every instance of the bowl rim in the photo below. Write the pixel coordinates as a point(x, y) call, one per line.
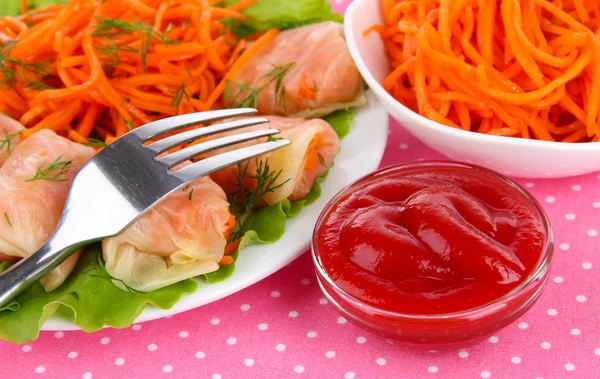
point(541, 271)
point(352, 13)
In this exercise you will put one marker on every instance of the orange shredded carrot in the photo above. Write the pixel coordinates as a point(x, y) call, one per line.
point(226, 260)
point(306, 90)
point(82, 74)
point(232, 247)
point(74, 136)
point(525, 69)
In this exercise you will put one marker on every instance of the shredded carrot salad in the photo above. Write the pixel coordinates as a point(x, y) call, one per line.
point(103, 67)
point(519, 68)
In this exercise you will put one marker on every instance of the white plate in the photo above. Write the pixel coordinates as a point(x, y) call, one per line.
point(360, 154)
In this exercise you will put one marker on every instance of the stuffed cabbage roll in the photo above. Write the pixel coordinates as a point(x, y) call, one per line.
point(311, 153)
point(34, 184)
point(182, 237)
point(10, 136)
point(304, 72)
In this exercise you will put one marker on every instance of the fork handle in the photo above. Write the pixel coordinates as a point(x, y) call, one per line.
point(22, 275)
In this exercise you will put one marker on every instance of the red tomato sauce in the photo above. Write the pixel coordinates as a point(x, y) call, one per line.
point(431, 240)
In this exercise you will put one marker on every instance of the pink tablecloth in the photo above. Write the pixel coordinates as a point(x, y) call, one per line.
point(282, 327)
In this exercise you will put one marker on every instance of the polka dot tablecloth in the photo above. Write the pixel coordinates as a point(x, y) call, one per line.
point(282, 327)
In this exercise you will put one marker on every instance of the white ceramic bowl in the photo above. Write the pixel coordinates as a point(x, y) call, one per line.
point(510, 156)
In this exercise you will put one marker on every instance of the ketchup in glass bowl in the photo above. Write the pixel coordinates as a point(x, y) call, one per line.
point(433, 253)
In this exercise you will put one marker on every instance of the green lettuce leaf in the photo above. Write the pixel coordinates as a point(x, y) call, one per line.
point(91, 298)
point(282, 14)
point(13, 7)
point(340, 121)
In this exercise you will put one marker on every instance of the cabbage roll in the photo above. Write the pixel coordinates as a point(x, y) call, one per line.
point(10, 136)
point(314, 70)
point(182, 237)
point(34, 184)
point(311, 153)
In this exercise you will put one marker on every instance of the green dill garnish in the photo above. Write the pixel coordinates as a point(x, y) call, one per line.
point(164, 37)
point(321, 159)
point(109, 27)
point(273, 139)
point(266, 182)
point(146, 42)
point(11, 68)
point(251, 99)
point(7, 219)
point(179, 94)
point(39, 86)
point(95, 142)
point(7, 141)
point(276, 75)
point(109, 55)
point(237, 233)
point(191, 193)
point(185, 188)
point(54, 172)
point(110, 277)
point(128, 123)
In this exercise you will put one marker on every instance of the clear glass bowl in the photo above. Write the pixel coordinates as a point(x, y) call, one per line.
point(440, 329)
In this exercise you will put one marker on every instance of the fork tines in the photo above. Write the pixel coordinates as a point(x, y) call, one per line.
point(204, 147)
point(192, 135)
point(221, 161)
point(171, 124)
point(214, 163)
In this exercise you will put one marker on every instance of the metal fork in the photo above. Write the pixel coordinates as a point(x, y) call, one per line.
point(127, 178)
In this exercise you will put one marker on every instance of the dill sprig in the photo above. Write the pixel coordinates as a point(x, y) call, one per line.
point(236, 234)
point(110, 277)
point(191, 194)
point(251, 99)
point(128, 123)
point(321, 159)
point(95, 142)
point(111, 27)
point(178, 96)
point(54, 172)
point(6, 143)
point(39, 86)
point(7, 219)
point(276, 75)
point(109, 55)
point(164, 37)
point(266, 182)
point(12, 68)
